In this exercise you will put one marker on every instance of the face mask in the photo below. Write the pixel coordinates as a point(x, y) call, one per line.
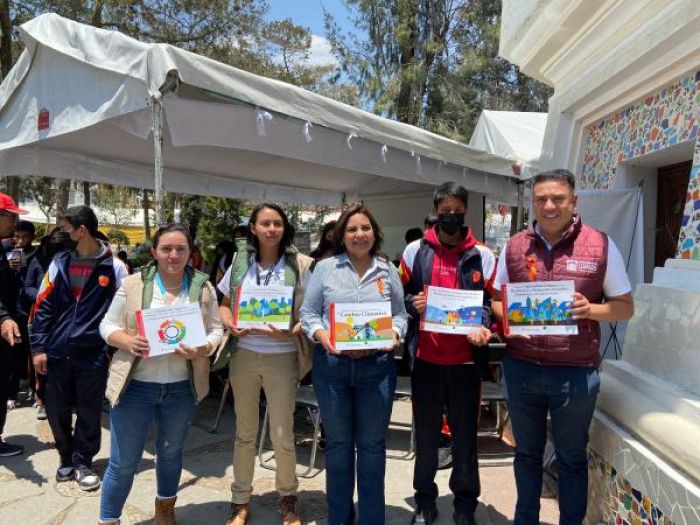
point(65, 241)
point(450, 223)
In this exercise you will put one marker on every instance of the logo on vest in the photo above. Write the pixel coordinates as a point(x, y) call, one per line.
point(581, 266)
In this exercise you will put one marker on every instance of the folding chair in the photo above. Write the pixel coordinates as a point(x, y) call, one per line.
point(305, 398)
point(492, 391)
point(403, 391)
point(224, 393)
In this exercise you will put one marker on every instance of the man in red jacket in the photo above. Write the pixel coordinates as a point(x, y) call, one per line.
point(443, 369)
point(558, 374)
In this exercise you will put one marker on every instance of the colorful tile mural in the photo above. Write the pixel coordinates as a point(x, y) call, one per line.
point(613, 501)
point(658, 121)
point(689, 238)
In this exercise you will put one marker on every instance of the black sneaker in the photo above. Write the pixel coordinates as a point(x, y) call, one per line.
point(424, 516)
point(464, 518)
point(87, 479)
point(7, 449)
point(64, 474)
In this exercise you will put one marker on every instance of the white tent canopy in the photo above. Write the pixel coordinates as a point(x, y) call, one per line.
point(83, 103)
point(512, 134)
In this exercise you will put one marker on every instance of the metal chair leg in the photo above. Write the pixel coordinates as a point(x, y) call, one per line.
point(315, 416)
point(222, 403)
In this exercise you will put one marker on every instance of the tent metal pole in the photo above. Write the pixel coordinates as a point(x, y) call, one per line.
point(157, 111)
point(521, 198)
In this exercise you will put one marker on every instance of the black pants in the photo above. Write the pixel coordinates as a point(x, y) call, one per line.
point(458, 388)
point(19, 357)
point(71, 384)
point(5, 367)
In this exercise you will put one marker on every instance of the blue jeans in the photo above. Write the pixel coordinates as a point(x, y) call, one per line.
point(355, 397)
point(171, 407)
point(569, 393)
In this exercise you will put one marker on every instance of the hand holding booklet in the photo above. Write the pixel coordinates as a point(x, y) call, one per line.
point(539, 308)
point(361, 326)
point(262, 306)
point(452, 311)
point(167, 327)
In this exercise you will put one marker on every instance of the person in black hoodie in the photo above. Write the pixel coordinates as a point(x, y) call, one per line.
point(74, 296)
point(9, 329)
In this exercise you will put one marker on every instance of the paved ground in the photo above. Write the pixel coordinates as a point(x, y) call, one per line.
point(29, 494)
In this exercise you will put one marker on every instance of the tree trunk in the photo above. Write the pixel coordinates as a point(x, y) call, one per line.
point(404, 101)
point(86, 193)
point(13, 187)
point(146, 215)
point(63, 197)
point(6, 60)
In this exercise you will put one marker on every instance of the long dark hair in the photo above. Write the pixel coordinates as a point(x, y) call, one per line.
point(343, 222)
point(325, 246)
point(287, 236)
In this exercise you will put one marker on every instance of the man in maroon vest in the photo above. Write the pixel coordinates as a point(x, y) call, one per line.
point(558, 374)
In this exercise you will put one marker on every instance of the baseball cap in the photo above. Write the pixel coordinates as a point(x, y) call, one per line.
point(9, 204)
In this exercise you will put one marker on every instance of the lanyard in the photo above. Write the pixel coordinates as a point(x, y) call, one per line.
point(161, 286)
point(270, 273)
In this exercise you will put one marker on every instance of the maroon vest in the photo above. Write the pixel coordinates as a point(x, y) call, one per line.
point(580, 255)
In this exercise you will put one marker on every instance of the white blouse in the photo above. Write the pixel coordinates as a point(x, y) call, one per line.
point(167, 368)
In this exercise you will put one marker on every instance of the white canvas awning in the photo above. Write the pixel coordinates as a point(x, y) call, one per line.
point(512, 134)
point(80, 104)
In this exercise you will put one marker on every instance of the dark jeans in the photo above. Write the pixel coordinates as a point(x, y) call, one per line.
point(71, 384)
point(355, 397)
point(5, 365)
point(569, 394)
point(170, 406)
point(458, 388)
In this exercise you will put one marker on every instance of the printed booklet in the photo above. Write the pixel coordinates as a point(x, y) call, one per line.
point(166, 327)
point(361, 326)
point(261, 306)
point(539, 308)
point(452, 311)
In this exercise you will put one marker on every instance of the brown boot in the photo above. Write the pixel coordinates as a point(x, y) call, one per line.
point(165, 511)
point(240, 512)
point(289, 506)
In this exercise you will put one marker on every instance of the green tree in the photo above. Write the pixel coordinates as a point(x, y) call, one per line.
point(431, 63)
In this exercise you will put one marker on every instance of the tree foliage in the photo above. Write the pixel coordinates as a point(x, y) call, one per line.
point(431, 63)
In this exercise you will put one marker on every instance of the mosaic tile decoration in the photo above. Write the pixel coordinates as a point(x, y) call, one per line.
point(689, 238)
point(613, 501)
point(662, 119)
point(658, 121)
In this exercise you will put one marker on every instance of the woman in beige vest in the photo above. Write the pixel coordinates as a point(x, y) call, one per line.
point(270, 358)
point(162, 390)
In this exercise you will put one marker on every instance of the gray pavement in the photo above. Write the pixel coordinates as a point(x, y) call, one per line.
point(30, 495)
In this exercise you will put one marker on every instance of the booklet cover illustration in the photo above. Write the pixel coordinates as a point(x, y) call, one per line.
point(539, 308)
point(260, 306)
point(361, 326)
point(452, 311)
point(167, 326)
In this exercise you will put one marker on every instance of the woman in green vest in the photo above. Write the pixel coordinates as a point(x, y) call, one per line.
point(268, 357)
point(162, 390)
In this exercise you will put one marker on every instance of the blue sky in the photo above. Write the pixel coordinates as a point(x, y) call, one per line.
point(309, 13)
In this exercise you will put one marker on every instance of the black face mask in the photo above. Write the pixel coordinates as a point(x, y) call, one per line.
point(450, 223)
point(65, 241)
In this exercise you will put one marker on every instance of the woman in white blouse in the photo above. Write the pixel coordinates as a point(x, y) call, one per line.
point(161, 390)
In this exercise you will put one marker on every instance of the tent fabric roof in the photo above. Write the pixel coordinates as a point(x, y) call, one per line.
point(512, 134)
point(227, 132)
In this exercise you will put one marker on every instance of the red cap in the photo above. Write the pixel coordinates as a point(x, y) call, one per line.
point(9, 204)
